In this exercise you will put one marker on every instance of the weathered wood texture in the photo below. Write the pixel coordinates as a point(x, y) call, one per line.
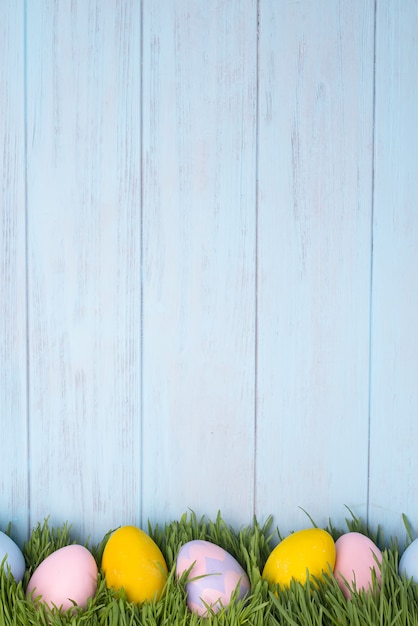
point(314, 251)
point(394, 358)
point(13, 358)
point(209, 261)
point(84, 262)
point(199, 131)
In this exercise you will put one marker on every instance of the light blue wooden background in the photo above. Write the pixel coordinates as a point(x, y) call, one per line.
point(208, 270)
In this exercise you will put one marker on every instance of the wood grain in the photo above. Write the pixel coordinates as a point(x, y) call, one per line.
point(394, 398)
point(314, 252)
point(14, 505)
point(208, 264)
point(84, 284)
point(199, 122)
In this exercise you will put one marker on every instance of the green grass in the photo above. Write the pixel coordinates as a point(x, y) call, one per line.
point(319, 604)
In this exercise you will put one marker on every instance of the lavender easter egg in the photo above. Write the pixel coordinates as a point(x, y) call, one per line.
point(214, 576)
point(66, 577)
point(356, 559)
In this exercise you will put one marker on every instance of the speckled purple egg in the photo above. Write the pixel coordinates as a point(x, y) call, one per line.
point(214, 577)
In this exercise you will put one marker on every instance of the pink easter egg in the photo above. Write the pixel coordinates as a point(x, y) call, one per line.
point(356, 558)
point(66, 577)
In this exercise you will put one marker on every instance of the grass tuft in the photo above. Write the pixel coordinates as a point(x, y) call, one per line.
point(317, 603)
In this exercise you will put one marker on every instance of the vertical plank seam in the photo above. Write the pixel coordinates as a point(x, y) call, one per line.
point(141, 262)
point(371, 259)
point(26, 244)
point(256, 269)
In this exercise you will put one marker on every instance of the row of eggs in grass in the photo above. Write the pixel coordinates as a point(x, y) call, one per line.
point(133, 561)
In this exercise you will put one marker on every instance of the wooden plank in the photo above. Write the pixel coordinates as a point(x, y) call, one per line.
point(13, 363)
point(394, 390)
point(199, 122)
point(314, 250)
point(84, 263)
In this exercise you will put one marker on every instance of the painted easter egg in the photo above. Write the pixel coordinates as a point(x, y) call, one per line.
point(213, 578)
point(133, 561)
point(12, 557)
point(408, 564)
point(302, 554)
point(67, 577)
point(357, 557)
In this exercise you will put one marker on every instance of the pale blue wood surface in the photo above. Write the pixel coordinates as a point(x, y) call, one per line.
point(84, 286)
point(394, 388)
point(209, 262)
point(200, 72)
point(314, 251)
point(14, 455)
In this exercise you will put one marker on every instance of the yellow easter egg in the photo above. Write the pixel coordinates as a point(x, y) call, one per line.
point(133, 561)
point(304, 553)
